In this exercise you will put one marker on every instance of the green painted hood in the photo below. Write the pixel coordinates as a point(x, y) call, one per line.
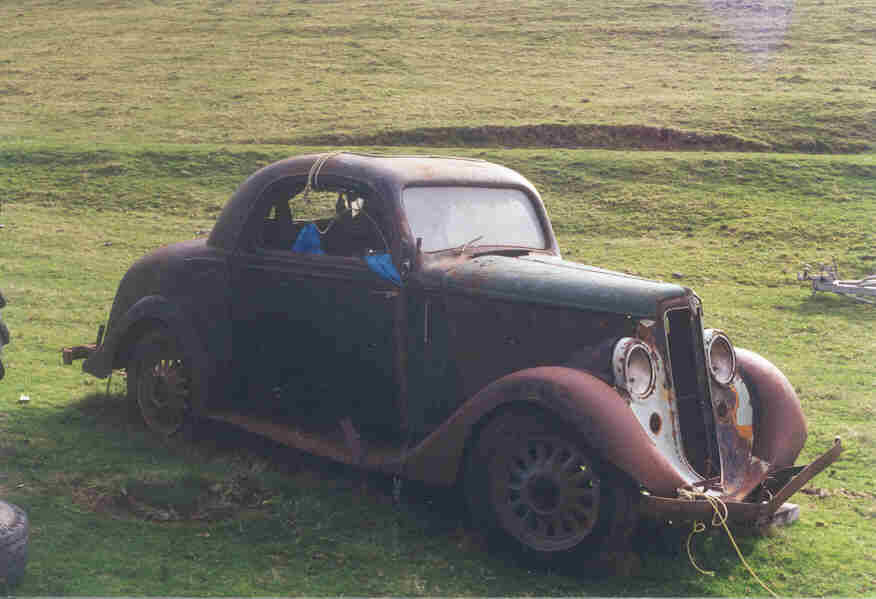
point(555, 282)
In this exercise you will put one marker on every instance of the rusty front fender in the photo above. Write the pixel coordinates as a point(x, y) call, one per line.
point(779, 424)
point(579, 399)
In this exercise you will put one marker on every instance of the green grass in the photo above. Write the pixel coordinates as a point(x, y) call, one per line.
point(256, 72)
point(127, 125)
point(735, 227)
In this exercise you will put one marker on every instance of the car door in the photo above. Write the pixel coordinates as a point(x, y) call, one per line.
point(314, 337)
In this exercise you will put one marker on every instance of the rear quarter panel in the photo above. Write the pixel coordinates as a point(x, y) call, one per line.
point(183, 287)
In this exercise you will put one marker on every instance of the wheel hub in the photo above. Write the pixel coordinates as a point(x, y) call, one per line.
point(551, 494)
point(163, 395)
point(543, 493)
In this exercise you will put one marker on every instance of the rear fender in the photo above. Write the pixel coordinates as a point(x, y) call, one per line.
point(779, 424)
point(148, 313)
point(579, 399)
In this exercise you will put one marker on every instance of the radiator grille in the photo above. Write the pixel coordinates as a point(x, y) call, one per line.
point(687, 362)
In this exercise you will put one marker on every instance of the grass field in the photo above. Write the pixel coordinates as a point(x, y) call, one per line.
point(788, 74)
point(124, 126)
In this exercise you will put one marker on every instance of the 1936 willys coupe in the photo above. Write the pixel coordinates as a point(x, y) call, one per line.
point(427, 327)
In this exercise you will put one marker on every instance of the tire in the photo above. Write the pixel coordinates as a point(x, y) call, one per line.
point(13, 545)
point(159, 382)
point(530, 482)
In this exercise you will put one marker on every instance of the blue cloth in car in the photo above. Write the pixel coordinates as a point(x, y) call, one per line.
point(308, 241)
point(382, 265)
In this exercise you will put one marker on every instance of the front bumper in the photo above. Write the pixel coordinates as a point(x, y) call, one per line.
point(776, 488)
point(80, 352)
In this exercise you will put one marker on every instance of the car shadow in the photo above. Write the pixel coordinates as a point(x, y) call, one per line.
point(437, 513)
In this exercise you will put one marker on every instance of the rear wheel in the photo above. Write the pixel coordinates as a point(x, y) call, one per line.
point(159, 382)
point(528, 479)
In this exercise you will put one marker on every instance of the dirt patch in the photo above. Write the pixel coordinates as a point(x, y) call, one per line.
point(190, 498)
point(620, 137)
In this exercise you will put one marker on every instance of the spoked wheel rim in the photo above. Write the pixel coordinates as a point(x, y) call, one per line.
point(546, 493)
point(163, 387)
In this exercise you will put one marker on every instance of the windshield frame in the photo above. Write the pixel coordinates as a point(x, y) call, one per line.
point(535, 202)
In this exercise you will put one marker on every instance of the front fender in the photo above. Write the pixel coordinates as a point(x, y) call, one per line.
point(579, 399)
point(779, 424)
point(147, 313)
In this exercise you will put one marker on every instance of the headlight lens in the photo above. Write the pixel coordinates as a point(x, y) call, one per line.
point(722, 358)
point(634, 368)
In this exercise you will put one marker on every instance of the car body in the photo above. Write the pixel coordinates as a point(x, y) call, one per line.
point(430, 329)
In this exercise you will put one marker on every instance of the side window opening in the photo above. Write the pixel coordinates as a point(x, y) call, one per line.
point(334, 222)
point(354, 230)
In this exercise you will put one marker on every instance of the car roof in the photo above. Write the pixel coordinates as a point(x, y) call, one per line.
point(387, 173)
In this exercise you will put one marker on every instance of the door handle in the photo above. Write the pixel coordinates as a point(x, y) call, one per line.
point(384, 294)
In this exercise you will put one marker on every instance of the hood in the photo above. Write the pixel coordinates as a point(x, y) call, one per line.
point(554, 282)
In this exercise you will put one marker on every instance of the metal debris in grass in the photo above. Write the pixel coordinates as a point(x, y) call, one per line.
point(827, 279)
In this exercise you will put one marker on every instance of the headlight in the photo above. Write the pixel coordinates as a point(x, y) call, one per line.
point(720, 356)
point(634, 368)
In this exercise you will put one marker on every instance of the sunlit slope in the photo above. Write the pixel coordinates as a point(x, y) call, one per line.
point(788, 75)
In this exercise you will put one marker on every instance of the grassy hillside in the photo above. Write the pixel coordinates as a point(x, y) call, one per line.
point(788, 75)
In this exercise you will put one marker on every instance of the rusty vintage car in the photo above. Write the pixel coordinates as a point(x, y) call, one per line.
point(429, 328)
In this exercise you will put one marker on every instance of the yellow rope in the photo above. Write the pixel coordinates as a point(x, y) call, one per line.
point(698, 527)
point(719, 518)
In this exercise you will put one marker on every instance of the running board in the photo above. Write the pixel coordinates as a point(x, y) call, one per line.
point(341, 444)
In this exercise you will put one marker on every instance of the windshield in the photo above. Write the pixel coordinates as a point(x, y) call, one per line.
point(450, 217)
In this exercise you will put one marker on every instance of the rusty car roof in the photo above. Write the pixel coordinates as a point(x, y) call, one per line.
point(388, 173)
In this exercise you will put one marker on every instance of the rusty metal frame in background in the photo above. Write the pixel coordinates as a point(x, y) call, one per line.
point(862, 290)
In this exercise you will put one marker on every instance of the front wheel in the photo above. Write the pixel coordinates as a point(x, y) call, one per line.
point(159, 382)
point(528, 479)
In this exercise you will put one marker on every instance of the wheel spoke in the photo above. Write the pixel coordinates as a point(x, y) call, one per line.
point(520, 509)
point(579, 512)
point(550, 527)
point(583, 476)
point(536, 523)
point(572, 465)
point(569, 525)
point(539, 452)
point(578, 491)
point(163, 390)
point(518, 466)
